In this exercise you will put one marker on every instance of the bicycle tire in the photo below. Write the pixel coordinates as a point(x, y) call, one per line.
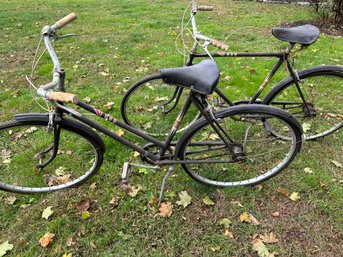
point(262, 154)
point(22, 143)
point(142, 107)
point(322, 87)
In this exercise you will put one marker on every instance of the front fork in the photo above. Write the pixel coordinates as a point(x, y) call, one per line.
point(53, 149)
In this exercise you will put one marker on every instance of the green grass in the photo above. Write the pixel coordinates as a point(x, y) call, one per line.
point(133, 38)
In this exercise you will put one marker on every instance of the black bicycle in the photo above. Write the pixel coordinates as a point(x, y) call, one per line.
point(42, 152)
point(313, 96)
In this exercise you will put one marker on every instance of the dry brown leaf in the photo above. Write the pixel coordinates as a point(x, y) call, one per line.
point(133, 191)
point(237, 203)
point(45, 240)
point(70, 241)
point(120, 132)
point(283, 191)
point(269, 238)
point(83, 205)
point(11, 200)
point(254, 221)
point(165, 210)
point(228, 234)
point(115, 201)
point(92, 186)
point(275, 214)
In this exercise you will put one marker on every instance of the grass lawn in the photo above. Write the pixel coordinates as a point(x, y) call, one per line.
point(127, 40)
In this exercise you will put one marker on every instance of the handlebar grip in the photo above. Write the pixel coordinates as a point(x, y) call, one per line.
point(205, 8)
point(62, 97)
point(67, 19)
point(219, 44)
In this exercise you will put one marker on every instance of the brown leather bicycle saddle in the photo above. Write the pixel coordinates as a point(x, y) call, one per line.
point(202, 77)
point(304, 35)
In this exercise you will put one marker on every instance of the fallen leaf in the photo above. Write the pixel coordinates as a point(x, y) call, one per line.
point(153, 201)
point(5, 247)
point(85, 215)
point(337, 164)
point(11, 200)
point(83, 205)
point(67, 255)
point(87, 99)
point(92, 186)
point(115, 201)
point(165, 210)
point(70, 241)
point(215, 249)
point(45, 240)
point(207, 200)
point(225, 222)
point(308, 170)
point(275, 214)
point(283, 191)
point(133, 191)
point(103, 73)
point(244, 217)
point(260, 248)
point(259, 187)
point(254, 221)
point(136, 154)
point(47, 212)
point(269, 238)
point(185, 199)
point(228, 234)
point(306, 127)
point(237, 203)
point(109, 105)
point(120, 132)
point(294, 196)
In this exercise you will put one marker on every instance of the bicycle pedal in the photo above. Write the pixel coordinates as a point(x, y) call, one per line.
point(125, 173)
point(126, 170)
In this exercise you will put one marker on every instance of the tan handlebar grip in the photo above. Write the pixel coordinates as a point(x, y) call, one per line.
point(205, 8)
point(67, 19)
point(219, 44)
point(62, 97)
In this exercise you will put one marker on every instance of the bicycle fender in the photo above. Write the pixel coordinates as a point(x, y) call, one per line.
point(69, 123)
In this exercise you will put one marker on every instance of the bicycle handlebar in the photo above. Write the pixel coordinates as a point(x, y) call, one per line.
point(204, 8)
point(219, 44)
point(64, 21)
point(62, 97)
point(43, 90)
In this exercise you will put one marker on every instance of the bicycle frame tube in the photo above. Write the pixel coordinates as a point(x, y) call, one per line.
point(164, 146)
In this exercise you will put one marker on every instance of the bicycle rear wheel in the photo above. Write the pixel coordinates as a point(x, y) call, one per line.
point(322, 112)
point(152, 106)
point(255, 155)
point(26, 145)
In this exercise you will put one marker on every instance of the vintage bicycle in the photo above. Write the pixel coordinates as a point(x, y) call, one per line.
point(313, 96)
point(43, 152)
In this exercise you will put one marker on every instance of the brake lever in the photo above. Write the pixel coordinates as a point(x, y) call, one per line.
point(57, 37)
point(66, 35)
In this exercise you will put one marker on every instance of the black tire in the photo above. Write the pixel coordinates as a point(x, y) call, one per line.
point(22, 143)
point(259, 154)
point(322, 87)
point(142, 107)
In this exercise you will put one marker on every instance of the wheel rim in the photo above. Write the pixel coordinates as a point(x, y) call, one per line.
point(266, 155)
point(22, 150)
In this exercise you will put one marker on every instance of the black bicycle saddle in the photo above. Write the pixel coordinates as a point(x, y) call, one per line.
point(304, 35)
point(202, 77)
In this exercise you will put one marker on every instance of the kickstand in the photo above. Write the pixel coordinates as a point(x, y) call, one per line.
point(171, 168)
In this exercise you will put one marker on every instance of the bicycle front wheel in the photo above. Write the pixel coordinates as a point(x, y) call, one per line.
point(322, 111)
point(153, 106)
point(244, 152)
point(26, 145)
